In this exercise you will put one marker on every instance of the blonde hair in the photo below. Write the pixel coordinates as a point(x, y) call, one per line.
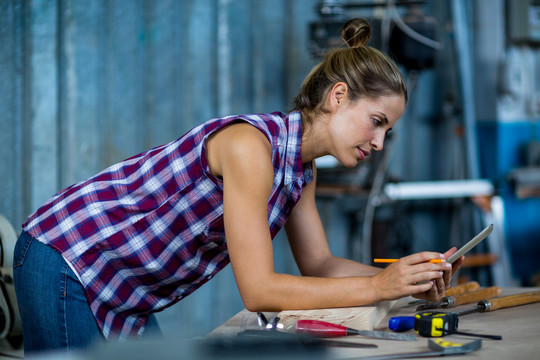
point(367, 72)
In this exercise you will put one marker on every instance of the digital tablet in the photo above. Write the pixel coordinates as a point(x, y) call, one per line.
point(468, 246)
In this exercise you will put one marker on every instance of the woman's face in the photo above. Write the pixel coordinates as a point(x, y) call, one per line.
point(359, 127)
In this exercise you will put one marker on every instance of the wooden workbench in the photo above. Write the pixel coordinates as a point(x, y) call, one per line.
point(519, 327)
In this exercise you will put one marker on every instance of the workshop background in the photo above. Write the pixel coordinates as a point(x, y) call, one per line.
point(85, 84)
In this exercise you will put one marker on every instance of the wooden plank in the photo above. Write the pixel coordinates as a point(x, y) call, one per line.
point(359, 318)
point(243, 320)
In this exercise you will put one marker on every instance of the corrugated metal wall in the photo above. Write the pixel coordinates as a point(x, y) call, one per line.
point(85, 84)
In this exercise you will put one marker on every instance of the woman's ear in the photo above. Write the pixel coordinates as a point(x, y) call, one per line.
point(338, 95)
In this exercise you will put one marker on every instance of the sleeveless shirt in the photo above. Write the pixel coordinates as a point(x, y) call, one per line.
point(144, 233)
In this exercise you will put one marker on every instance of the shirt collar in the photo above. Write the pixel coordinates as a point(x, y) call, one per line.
point(295, 169)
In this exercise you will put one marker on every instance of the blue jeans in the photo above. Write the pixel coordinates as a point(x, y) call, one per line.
point(55, 314)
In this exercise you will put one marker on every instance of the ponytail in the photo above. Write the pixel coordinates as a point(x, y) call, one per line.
point(367, 72)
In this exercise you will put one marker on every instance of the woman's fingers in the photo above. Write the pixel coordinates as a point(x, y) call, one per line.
point(431, 291)
point(423, 287)
point(432, 279)
point(422, 257)
point(447, 276)
point(418, 276)
point(410, 276)
point(440, 286)
point(455, 266)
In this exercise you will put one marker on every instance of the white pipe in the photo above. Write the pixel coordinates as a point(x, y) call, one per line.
point(438, 189)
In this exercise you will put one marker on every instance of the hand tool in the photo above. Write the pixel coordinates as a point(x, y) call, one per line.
point(403, 323)
point(466, 298)
point(302, 338)
point(436, 324)
point(431, 324)
point(503, 302)
point(454, 290)
point(319, 328)
point(462, 288)
point(468, 246)
point(439, 347)
point(273, 324)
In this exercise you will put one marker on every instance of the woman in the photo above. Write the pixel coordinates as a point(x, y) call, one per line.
point(144, 233)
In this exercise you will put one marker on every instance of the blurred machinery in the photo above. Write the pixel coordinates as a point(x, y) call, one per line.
point(408, 37)
point(10, 322)
point(526, 180)
point(519, 87)
point(405, 31)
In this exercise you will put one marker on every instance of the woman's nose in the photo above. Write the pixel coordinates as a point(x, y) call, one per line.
point(378, 142)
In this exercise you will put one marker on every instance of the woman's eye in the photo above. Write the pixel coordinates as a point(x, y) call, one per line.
point(377, 122)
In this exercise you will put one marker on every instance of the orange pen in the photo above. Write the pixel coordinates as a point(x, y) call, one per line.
point(435, 261)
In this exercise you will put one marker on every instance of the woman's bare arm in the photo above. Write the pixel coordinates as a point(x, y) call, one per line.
point(241, 155)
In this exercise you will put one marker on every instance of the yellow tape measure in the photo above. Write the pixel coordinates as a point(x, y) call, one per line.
point(447, 344)
point(435, 324)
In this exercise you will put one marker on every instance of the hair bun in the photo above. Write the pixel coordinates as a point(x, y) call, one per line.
point(356, 32)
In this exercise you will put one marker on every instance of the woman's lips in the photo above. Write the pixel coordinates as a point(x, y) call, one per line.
point(363, 154)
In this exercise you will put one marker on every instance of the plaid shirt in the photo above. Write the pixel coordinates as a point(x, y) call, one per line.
point(148, 231)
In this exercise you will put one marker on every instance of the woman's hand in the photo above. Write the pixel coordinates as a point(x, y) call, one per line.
point(414, 275)
point(440, 285)
point(455, 267)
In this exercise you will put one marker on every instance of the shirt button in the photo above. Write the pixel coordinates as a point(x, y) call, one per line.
point(209, 277)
